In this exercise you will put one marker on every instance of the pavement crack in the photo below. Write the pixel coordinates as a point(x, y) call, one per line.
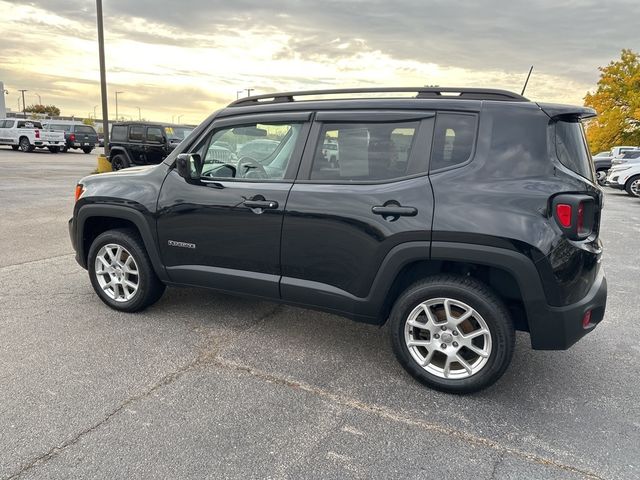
point(391, 415)
point(164, 381)
point(55, 257)
point(496, 464)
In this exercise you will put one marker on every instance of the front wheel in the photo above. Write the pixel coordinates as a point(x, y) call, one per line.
point(633, 186)
point(601, 176)
point(121, 272)
point(452, 333)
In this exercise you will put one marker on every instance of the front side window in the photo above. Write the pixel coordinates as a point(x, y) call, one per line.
point(364, 151)
point(249, 152)
point(154, 134)
point(136, 133)
point(453, 140)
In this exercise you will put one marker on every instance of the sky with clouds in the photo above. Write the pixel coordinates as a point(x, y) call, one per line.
point(189, 57)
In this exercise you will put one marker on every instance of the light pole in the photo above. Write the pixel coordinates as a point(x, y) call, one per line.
point(39, 98)
point(117, 105)
point(179, 116)
point(103, 78)
point(249, 90)
point(139, 114)
point(238, 92)
point(94, 111)
point(24, 108)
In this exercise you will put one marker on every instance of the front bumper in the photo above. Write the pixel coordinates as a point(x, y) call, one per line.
point(74, 243)
point(557, 328)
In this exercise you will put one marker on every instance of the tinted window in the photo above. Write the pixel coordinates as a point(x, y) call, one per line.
point(364, 151)
point(59, 127)
point(154, 134)
point(229, 152)
point(3, 123)
point(119, 133)
point(179, 133)
point(571, 148)
point(85, 129)
point(29, 124)
point(136, 132)
point(453, 140)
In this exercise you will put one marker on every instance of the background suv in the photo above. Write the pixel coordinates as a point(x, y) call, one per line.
point(77, 135)
point(143, 143)
point(458, 216)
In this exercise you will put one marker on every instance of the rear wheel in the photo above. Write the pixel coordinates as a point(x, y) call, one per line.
point(54, 149)
point(64, 149)
point(633, 186)
point(87, 149)
point(118, 162)
point(25, 145)
point(14, 147)
point(452, 333)
point(121, 272)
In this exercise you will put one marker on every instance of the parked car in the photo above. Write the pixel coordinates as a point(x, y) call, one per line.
point(618, 151)
point(143, 143)
point(602, 164)
point(629, 156)
point(27, 135)
point(77, 135)
point(331, 153)
point(625, 177)
point(472, 232)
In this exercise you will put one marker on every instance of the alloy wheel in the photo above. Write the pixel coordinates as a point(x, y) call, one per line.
point(117, 272)
point(635, 187)
point(448, 338)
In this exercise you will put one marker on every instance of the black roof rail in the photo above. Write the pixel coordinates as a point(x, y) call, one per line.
point(421, 92)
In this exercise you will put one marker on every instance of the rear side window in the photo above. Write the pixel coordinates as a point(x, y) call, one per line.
point(29, 124)
point(364, 151)
point(119, 133)
point(136, 132)
point(154, 134)
point(453, 140)
point(571, 148)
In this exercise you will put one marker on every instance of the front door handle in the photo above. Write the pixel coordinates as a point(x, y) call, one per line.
point(394, 211)
point(264, 204)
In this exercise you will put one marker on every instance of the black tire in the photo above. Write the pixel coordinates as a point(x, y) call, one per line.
point(87, 149)
point(25, 145)
point(118, 162)
point(15, 147)
point(633, 186)
point(64, 149)
point(481, 299)
point(601, 176)
point(54, 149)
point(150, 288)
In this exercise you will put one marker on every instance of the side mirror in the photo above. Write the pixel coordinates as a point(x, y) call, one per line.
point(189, 166)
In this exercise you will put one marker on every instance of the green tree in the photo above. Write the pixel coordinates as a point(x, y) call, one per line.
point(50, 110)
point(617, 101)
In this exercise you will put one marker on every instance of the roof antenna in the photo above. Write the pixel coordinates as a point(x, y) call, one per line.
point(526, 81)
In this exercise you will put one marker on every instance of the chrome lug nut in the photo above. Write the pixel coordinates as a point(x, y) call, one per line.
point(443, 328)
point(437, 335)
point(455, 344)
point(444, 345)
point(455, 332)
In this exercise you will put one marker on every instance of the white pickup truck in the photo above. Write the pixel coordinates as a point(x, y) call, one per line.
point(27, 135)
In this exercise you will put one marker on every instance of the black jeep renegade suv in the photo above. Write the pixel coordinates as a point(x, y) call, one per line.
point(457, 215)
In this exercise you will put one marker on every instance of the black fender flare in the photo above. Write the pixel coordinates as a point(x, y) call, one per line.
point(124, 213)
point(119, 150)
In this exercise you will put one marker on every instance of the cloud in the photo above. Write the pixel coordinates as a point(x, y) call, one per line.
point(224, 46)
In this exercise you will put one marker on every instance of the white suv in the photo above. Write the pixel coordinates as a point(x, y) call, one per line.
point(625, 177)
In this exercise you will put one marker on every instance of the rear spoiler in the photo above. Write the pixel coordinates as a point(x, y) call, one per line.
point(555, 110)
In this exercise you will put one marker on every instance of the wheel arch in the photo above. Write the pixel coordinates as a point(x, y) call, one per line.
point(92, 220)
point(119, 150)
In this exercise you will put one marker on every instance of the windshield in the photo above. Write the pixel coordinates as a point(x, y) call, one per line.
point(179, 133)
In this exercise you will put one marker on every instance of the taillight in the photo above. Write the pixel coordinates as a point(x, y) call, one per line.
point(72, 137)
point(575, 215)
point(79, 191)
point(563, 212)
point(37, 133)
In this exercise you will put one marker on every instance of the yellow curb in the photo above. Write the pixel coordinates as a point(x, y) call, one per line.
point(103, 164)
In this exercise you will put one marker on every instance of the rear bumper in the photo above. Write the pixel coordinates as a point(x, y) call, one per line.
point(48, 143)
point(557, 328)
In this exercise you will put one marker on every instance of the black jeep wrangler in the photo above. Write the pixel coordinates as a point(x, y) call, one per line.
point(457, 215)
point(143, 143)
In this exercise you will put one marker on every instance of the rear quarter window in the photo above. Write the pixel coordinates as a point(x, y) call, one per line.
point(453, 140)
point(571, 148)
point(119, 133)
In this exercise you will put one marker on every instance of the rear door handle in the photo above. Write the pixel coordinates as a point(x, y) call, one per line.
point(394, 211)
point(270, 204)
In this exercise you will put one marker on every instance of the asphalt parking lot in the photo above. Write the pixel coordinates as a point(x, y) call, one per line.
point(208, 385)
